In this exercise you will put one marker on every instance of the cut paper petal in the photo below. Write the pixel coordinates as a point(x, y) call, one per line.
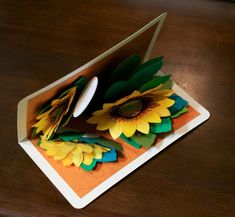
point(157, 80)
point(116, 131)
point(116, 91)
point(144, 140)
point(150, 62)
point(179, 104)
point(87, 140)
point(88, 167)
point(142, 126)
point(125, 69)
point(180, 112)
point(164, 126)
point(130, 141)
point(109, 156)
point(109, 144)
point(144, 75)
point(140, 139)
point(167, 85)
point(70, 136)
point(80, 82)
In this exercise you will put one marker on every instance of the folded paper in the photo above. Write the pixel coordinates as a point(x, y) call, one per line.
point(94, 126)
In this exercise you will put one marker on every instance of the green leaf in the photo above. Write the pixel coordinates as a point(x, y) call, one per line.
point(179, 104)
point(87, 140)
point(150, 62)
point(144, 75)
point(163, 127)
point(157, 80)
point(109, 143)
point(130, 141)
point(33, 133)
point(182, 111)
point(70, 136)
point(167, 85)
point(116, 91)
point(88, 167)
point(146, 140)
point(80, 82)
point(125, 69)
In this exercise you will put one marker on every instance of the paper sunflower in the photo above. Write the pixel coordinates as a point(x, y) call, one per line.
point(57, 112)
point(134, 112)
point(73, 152)
point(75, 148)
point(49, 121)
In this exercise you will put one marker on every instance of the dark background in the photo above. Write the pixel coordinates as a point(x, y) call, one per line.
point(40, 41)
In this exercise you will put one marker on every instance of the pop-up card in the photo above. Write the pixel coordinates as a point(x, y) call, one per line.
point(91, 128)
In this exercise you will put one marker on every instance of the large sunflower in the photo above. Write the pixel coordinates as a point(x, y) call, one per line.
point(50, 120)
point(73, 152)
point(134, 112)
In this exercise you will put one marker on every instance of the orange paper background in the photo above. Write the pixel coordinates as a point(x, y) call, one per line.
point(82, 182)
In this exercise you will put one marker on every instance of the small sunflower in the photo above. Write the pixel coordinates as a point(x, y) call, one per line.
point(134, 112)
point(49, 121)
point(73, 152)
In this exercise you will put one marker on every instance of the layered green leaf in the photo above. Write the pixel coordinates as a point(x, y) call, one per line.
point(146, 140)
point(163, 127)
point(180, 112)
point(156, 81)
point(144, 75)
point(116, 91)
point(125, 69)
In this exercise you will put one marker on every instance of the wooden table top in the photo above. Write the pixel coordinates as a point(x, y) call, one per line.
point(41, 41)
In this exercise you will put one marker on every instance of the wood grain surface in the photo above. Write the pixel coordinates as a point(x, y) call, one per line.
point(40, 41)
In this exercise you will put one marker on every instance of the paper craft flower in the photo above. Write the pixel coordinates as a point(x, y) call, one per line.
point(74, 152)
point(134, 112)
point(49, 121)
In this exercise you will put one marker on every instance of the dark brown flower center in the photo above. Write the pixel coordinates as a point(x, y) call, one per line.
point(57, 112)
point(132, 107)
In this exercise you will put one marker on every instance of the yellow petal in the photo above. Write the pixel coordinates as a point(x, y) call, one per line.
point(77, 157)
point(100, 112)
point(106, 123)
point(68, 160)
point(134, 94)
point(64, 150)
point(95, 119)
point(98, 151)
point(87, 158)
point(162, 111)
point(152, 90)
point(69, 95)
point(116, 130)
point(55, 102)
point(106, 106)
point(129, 128)
point(142, 126)
point(42, 125)
point(151, 117)
point(44, 114)
point(86, 148)
point(166, 102)
point(165, 93)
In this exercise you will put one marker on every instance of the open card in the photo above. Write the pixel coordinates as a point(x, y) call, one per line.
point(91, 128)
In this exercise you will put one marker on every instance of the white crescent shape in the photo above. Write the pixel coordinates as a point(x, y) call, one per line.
point(85, 97)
